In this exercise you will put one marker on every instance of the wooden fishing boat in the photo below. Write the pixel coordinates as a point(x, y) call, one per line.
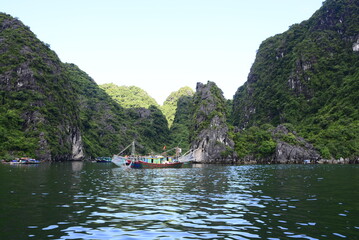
point(155, 162)
point(140, 162)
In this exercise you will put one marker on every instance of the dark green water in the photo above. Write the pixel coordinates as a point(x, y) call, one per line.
point(100, 201)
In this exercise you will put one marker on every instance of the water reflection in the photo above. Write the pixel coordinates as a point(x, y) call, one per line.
point(77, 166)
point(207, 202)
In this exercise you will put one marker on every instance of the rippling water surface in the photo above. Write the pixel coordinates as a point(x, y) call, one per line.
point(100, 201)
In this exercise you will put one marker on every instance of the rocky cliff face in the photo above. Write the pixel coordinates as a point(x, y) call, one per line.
point(54, 111)
point(210, 140)
point(307, 76)
point(33, 84)
point(294, 72)
point(271, 145)
point(298, 150)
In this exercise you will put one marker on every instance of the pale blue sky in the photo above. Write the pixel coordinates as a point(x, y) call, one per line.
point(160, 45)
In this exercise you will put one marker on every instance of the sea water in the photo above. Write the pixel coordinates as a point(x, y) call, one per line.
point(77, 200)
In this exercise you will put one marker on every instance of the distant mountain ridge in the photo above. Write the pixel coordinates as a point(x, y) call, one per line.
point(129, 96)
point(169, 107)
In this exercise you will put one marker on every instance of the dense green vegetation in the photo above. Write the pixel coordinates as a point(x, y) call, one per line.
point(102, 120)
point(33, 83)
point(180, 129)
point(255, 141)
point(48, 107)
point(129, 97)
point(308, 76)
point(151, 129)
point(177, 109)
point(107, 127)
point(12, 136)
point(155, 126)
point(170, 106)
point(260, 142)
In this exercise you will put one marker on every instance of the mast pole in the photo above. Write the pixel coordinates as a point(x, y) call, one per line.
point(133, 148)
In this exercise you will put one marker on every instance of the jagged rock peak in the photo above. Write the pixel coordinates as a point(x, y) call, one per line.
point(210, 141)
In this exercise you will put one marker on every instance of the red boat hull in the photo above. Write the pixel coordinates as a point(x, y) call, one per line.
point(142, 164)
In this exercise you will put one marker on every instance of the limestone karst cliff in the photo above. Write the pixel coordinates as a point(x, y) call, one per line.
point(305, 79)
point(54, 111)
point(308, 76)
point(37, 101)
point(210, 140)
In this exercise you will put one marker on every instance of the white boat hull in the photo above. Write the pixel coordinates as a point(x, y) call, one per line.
point(119, 161)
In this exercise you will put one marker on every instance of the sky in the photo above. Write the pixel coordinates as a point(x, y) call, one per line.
point(160, 45)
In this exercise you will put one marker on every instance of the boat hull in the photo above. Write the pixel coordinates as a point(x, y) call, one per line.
point(119, 161)
point(144, 165)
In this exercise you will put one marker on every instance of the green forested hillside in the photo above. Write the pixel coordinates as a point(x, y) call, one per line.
point(143, 116)
point(309, 77)
point(129, 97)
point(170, 106)
point(55, 111)
point(150, 129)
point(37, 103)
point(180, 129)
point(176, 109)
point(303, 83)
point(104, 124)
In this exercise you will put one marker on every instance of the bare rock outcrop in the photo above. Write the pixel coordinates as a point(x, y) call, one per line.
point(297, 150)
point(211, 143)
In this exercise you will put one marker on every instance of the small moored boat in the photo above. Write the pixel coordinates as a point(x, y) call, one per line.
point(103, 159)
point(154, 162)
point(25, 161)
point(140, 162)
